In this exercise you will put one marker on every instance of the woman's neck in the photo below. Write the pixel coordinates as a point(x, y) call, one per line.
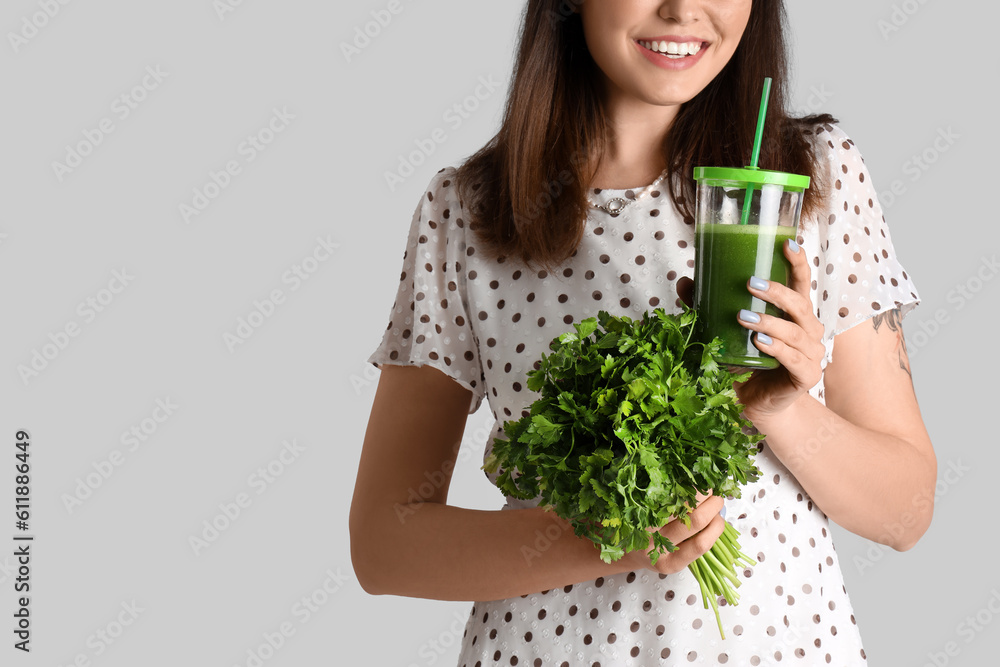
point(635, 155)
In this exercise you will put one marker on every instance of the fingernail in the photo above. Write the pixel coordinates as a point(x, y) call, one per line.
point(749, 316)
point(793, 245)
point(759, 283)
point(723, 511)
point(764, 338)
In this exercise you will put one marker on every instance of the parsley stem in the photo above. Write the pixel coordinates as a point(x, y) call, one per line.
point(701, 582)
point(720, 568)
point(723, 546)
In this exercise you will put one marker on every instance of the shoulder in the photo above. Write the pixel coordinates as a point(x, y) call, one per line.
point(834, 150)
point(441, 197)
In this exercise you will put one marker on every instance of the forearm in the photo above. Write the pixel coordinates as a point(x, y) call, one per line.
point(443, 552)
point(876, 485)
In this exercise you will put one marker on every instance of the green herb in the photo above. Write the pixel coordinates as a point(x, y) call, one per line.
point(635, 418)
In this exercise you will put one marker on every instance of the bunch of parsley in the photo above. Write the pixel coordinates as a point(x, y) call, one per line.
point(635, 418)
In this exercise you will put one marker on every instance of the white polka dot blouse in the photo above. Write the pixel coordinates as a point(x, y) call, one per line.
point(486, 324)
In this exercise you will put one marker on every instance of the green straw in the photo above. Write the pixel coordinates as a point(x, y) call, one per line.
point(756, 147)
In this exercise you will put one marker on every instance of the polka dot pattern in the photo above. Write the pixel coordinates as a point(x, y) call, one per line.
point(485, 324)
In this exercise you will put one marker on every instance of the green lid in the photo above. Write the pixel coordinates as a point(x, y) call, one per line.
point(751, 175)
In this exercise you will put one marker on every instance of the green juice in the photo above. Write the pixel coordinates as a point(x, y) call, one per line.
point(726, 256)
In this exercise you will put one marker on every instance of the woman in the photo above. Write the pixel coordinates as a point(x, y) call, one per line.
point(509, 249)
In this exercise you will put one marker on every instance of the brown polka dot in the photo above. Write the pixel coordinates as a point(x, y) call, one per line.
point(612, 637)
point(852, 279)
point(634, 652)
point(625, 277)
point(605, 259)
point(842, 312)
point(640, 260)
point(597, 295)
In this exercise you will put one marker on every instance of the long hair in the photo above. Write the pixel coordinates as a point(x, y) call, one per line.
point(525, 191)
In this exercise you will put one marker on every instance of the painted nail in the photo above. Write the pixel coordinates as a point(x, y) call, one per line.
point(723, 511)
point(764, 338)
point(793, 245)
point(749, 316)
point(759, 283)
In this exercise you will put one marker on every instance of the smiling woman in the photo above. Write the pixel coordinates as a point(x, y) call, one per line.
point(583, 202)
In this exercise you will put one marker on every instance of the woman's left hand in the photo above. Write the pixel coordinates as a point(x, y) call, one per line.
point(796, 342)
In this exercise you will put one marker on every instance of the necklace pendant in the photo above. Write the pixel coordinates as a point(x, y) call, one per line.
point(616, 205)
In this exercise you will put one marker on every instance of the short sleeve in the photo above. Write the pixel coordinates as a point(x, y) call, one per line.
point(429, 321)
point(856, 272)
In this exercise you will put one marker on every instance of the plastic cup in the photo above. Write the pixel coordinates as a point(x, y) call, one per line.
point(728, 253)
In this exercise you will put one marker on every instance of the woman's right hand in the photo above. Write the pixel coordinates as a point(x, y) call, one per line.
point(706, 527)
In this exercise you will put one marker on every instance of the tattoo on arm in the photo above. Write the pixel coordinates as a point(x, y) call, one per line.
point(894, 322)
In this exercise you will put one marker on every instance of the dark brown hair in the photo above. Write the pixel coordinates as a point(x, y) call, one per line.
point(525, 191)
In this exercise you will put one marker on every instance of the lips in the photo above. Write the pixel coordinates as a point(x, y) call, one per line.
point(672, 55)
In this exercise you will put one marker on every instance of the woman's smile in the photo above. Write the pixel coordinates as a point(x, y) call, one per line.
point(672, 52)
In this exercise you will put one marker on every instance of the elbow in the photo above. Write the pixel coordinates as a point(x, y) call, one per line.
point(909, 539)
point(361, 537)
point(916, 520)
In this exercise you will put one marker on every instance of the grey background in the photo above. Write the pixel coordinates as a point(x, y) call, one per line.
point(302, 374)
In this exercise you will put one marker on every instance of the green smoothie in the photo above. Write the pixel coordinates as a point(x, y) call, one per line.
point(727, 255)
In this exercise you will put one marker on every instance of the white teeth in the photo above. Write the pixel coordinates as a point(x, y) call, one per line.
point(673, 49)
